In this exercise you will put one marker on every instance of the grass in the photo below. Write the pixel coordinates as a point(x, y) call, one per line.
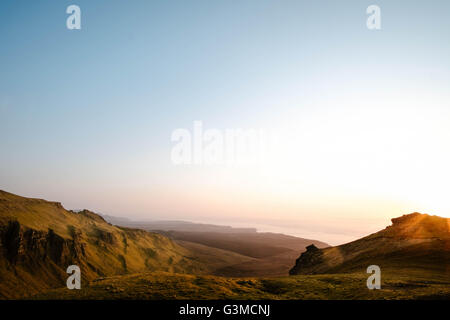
point(396, 284)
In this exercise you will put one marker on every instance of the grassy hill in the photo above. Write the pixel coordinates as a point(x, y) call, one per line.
point(413, 255)
point(233, 252)
point(255, 245)
point(417, 241)
point(268, 254)
point(265, 254)
point(40, 239)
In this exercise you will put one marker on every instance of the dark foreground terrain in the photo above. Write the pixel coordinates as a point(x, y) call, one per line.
point(396, 284)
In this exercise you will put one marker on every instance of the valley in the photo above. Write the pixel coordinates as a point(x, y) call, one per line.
point(39, 239)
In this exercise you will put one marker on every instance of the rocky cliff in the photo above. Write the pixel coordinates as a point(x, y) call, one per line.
point(40, 239)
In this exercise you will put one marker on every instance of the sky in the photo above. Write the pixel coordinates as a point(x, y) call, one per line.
point(362, 116)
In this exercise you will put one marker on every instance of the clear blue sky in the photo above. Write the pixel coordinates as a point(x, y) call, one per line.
point(86, 115)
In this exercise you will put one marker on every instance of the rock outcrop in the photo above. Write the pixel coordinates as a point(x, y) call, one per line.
point(22, 245)
point(311, 257)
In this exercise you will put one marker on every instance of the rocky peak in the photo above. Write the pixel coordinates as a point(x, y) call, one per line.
point(312, 248)
point(418, 226)
point(307, 260)
point(406, 218)
point(90, 214)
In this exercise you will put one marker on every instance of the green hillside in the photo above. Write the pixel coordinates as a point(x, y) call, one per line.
point(412, 241)
point(40, 239)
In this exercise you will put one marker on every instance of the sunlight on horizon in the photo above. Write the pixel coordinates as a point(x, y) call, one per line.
point(362, 115)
